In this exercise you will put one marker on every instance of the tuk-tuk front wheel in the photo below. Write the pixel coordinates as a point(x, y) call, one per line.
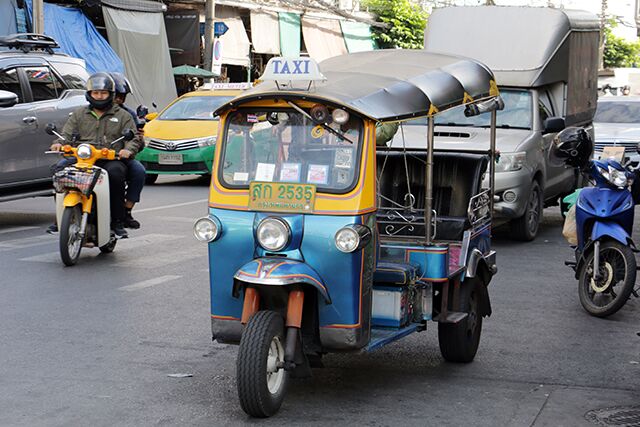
point(459, 341)
point(261, 379)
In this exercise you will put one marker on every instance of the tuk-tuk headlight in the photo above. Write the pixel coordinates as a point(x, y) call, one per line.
point(207, 229)
point(273, 234)
point(352, 237)
point(340, 116)
point(84, 151)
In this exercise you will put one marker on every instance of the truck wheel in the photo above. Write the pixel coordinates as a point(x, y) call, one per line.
point(70, 241)
point(151, 178)
point(261, 380)
point(459, 341)
point(525, 228)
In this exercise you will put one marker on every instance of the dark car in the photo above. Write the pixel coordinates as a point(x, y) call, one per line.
point(37, 86)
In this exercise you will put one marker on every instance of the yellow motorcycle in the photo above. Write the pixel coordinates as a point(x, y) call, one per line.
point(83, 213)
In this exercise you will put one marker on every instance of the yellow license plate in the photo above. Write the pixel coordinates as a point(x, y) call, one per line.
point(277, 197)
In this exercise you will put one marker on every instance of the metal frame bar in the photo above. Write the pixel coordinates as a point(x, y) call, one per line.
point(428, 203)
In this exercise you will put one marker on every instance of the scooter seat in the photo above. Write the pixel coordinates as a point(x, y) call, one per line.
point(392, 273)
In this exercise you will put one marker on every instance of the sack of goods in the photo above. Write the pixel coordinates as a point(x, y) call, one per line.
point(569, 230)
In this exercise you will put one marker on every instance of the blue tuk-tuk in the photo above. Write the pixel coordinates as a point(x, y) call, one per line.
point(321, 241)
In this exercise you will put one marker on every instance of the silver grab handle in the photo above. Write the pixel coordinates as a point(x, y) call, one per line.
point(29, 119)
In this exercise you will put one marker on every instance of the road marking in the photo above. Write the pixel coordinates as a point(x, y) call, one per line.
point(178, 219)
point(26, 242)
point(122, 246)
point(171, 255)
point(16, 229)
point(177, 205)
point(148, 283)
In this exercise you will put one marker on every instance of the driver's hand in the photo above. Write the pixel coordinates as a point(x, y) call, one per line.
point(124, 153)
point(55, 147)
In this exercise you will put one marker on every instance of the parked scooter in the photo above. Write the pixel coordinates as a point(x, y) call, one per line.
point(83, 213)
point(605, 262)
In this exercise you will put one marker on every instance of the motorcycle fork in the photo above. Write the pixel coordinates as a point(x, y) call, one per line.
point(596, 260)
point(87, 202)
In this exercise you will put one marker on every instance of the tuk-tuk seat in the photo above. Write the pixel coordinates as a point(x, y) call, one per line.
point(392, 273)
point(457, 177)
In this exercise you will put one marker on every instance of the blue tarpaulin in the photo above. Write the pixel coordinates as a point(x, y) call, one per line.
point(7, 17)
point(77, 37)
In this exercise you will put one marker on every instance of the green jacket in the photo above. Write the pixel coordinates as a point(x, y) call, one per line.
point(103, 130)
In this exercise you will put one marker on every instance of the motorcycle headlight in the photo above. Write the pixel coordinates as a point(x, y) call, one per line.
point(84, 151)
point(615, 177)
point(352, 237)
point(273, 234)
point(511, 161)
point(207, 229)
point(205, 142)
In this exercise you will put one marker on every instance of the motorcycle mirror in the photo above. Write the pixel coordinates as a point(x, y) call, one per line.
point(50, 128)
point(128, 135)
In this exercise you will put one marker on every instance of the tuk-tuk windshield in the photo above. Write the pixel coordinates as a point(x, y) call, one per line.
point(286, 146)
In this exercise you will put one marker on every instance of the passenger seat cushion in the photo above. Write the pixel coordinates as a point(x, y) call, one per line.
point(392, 273)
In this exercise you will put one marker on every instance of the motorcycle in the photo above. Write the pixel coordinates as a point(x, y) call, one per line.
point(83, 214)
point(605, 263)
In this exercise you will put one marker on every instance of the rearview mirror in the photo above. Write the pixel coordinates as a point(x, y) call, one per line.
point(50, 128)
point(553, 125)
point(151, 116)
point(128, 135)
point(7, 99)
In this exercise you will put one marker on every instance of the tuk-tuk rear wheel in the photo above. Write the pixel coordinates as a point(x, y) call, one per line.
point(261, 380)
point(459, 341)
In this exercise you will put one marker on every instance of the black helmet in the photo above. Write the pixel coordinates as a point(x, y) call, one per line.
point(572, 147)
point(122, 84)
point(100, 81)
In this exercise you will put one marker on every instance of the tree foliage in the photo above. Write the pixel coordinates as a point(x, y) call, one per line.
point(405, 23)
point(618, 52)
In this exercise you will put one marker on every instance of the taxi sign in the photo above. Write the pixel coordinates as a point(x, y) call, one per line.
point(292, 69)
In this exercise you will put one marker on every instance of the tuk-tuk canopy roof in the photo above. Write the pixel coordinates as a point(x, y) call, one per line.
point(388, 85)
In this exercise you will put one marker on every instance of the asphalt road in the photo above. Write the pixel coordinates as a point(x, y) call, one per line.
point(94, 344)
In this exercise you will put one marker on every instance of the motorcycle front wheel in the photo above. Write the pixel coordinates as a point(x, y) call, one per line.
point(70, 240)
point(606, 295)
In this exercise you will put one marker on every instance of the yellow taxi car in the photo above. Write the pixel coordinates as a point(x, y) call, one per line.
point(181, 138)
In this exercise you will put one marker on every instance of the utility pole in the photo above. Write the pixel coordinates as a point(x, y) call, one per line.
point(38, 16)
point(209, 16)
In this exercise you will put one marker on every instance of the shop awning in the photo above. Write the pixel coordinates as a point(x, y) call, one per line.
point(323, 38)
point(265, 32)
point(140, 39)
point(357, 36)
point(289, 34)
point(235, 43)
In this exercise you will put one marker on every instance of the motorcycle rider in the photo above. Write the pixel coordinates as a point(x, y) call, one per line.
point(135, 170)
point(100, 123)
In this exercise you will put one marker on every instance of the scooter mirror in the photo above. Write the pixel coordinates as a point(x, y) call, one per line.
point(50, 128)
point(128, 135)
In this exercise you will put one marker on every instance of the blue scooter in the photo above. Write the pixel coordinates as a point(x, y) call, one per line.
point(605, 262)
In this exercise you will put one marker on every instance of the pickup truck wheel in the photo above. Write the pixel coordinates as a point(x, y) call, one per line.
point(525, 228)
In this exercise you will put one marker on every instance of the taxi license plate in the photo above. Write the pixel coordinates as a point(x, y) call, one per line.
point(169, 159)
point(277, 197)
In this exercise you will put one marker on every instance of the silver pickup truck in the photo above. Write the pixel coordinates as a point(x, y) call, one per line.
point(545, 61)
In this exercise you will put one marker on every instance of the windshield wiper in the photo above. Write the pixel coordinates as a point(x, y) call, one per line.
point(505, 126)
point(454, 124)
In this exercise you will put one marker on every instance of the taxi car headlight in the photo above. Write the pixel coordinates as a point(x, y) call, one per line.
point(352, 237)
point(84, 151)
point(205, 142)
point(207, 229)
point(273, 234)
